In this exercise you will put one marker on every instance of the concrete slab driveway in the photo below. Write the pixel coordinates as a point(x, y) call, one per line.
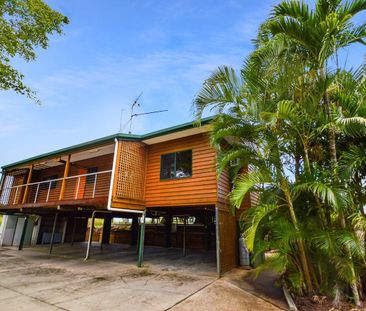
point(30, 280)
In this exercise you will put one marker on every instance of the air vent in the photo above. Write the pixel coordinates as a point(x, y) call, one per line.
point(235, 162)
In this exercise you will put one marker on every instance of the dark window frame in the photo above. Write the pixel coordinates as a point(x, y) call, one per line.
point(175, 165)
point(90, 179)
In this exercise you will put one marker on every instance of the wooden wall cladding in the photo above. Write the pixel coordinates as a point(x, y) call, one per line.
point(199, 189)
point(130, 180)
point(223, 189)
point(246, 204)
point(103, 163)
point(196, 236)
point(228, 241)
point(80, 229)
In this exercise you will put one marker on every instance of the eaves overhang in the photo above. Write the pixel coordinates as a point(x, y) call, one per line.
point(109, 139)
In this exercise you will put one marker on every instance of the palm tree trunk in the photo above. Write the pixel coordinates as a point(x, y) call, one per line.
point(337, 296)
point(306, 160)
point(331, 133)
point(317, 201)
point(334, 163)
point(286, 190)
point(303, 257)
point(297, 161)
point(355, 293)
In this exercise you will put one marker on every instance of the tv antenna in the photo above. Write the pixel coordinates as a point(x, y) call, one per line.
point(133, 115)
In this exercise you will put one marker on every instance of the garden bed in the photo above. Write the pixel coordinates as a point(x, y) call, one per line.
point(321, 303)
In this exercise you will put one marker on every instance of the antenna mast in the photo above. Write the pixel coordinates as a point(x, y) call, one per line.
point(133, 115)
point(135, 103)
point(120, 121)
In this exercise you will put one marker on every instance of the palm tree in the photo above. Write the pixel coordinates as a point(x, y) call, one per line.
point(257, 138)
point(275, 113)
point(320, 33)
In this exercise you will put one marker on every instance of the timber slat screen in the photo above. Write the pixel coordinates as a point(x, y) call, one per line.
point(85, 186)
point(131, 171)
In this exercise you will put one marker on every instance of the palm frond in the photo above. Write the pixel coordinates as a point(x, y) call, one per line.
point(295, 9)
point(325, 7)
point(277, 262)
point(244, 154)
point(351, 8)
point(252, 180)
point(256, 216)
point(338, 198)
point(349, 240)
point(295, 30)
point(351, 160)
point(222, 88)
point(352, 126)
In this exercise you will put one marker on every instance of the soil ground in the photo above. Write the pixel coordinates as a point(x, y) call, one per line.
point(322, 304)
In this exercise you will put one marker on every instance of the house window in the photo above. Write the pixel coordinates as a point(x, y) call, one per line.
point(176, 165)
point(91, 178)
point(44, 185)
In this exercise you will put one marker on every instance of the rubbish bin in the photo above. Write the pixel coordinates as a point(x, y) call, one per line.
point(244, 259)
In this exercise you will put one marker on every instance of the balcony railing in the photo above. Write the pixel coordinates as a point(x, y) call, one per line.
point(85, 186)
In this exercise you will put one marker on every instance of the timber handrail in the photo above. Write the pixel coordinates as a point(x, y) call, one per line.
point(58, 179)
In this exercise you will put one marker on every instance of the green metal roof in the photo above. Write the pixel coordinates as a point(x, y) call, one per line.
point(100, 141)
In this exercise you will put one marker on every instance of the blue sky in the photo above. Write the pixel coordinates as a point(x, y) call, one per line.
point(113, 50)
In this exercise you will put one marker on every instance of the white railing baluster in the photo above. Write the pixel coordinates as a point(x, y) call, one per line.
point(77, 189)
point(95, 185)
point(49, 189)
point(16, 194)
point(6, 193)
point(35, 197)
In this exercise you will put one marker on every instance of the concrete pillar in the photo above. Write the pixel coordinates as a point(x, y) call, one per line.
point(168, 231)
point(106, 229)
point(134, 230)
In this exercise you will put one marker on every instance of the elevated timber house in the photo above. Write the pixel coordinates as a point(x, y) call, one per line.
point(167, 174)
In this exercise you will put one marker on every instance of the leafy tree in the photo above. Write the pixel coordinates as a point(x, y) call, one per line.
point(25, 25)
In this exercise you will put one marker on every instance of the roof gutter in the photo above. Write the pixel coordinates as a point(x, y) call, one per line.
point(95, 142)
point(110, 196)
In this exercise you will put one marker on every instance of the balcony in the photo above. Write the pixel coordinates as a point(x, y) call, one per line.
point(74, 190)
